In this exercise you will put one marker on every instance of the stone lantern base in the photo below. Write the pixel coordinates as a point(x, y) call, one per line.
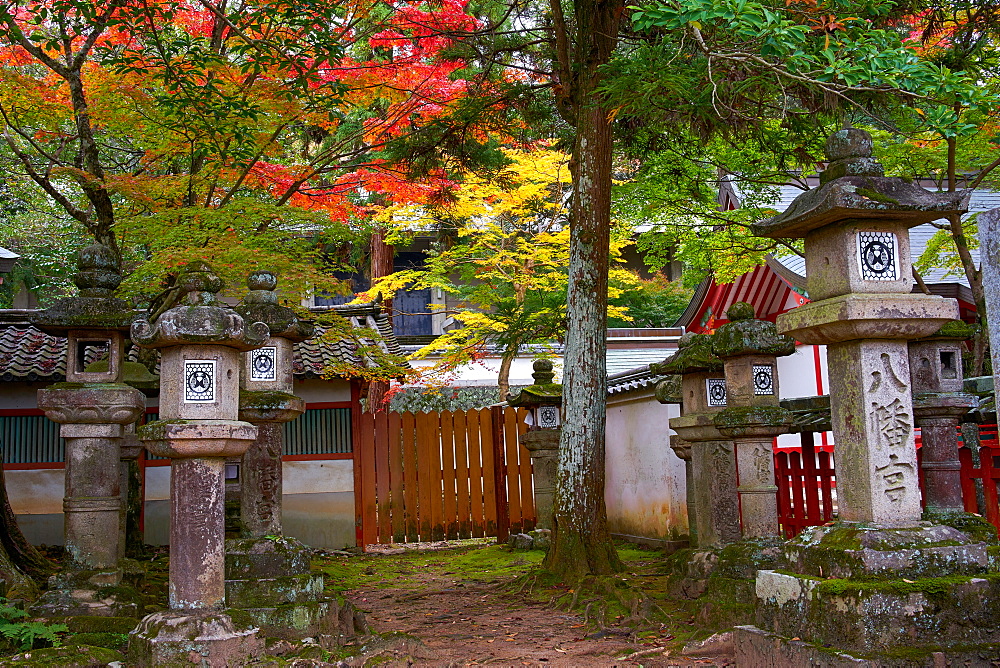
point(270, 581)
point(195, 637)
point(856, 591)
point(88, 593)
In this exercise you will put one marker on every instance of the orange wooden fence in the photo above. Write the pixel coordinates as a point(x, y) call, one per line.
point(441, 476)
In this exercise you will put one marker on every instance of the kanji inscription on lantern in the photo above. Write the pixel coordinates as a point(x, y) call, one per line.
point(894, 477)
point(199, 381)
point(763, 379)
point(263, 362)
point(892, 422)
point(716, 389)
point(877, 256)
point(548, 417)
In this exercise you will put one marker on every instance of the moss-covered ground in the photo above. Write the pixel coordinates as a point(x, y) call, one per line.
point(466, 603)
point(483, 603)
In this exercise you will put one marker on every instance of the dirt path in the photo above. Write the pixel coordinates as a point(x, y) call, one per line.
point(453, 610)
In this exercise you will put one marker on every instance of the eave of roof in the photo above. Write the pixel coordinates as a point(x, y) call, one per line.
point(27, 354)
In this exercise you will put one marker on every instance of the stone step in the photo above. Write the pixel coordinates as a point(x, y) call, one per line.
point(274, 591)
point(249, 558)
point(756, 648)
point(294, 621)
point(864, 616)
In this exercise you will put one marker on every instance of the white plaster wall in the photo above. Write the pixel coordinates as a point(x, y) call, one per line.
point(797, 377)
point(315, 390)
point(645, 489)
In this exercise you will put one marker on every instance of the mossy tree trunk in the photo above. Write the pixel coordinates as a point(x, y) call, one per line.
point(581, 542)
point(20, 562)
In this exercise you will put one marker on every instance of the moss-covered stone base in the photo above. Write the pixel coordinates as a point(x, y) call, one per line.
point(182, 638)
point(337, 621)
point(760, 649)
point(855, 550)
point(71, 595)
point(268, 557)
point(71, 656)
point(274, 591)
point(880, 615)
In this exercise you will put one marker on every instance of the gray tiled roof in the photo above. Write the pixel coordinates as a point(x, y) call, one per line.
point(28, 354)
point(633, 379)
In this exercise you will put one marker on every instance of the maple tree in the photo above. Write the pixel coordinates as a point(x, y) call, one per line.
point(502, 257)
point(228, 132)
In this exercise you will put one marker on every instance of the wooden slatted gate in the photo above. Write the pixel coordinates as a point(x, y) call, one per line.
point(441, 476)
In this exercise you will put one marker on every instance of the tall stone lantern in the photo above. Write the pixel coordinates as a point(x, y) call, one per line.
point(268, 574)
point(543, 399)
point(716, 516)
point(860, 279)
point(753, 419)
point(938, 406)
point(855, 227)
point(92, 408)
point(200, 341)
point(266, 400)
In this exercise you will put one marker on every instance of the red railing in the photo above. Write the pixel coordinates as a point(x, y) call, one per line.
point(988, 473)
point(806, 482)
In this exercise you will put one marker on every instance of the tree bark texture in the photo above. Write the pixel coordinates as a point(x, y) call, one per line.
point(381, 255)
point(581, 542)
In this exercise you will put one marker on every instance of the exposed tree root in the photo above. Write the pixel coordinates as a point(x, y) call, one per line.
point(604, 602)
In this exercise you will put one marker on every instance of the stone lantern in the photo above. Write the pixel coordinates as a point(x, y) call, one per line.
point(855, 227)
point(92, 408)
point(268, 574)
point(938, 406)
point(543, 400)
point(716, 517)
point(753, 419)
point(200, 341)
point(266, 400)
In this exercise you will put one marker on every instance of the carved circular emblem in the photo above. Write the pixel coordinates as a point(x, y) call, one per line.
point(717, 393)
point(763, 382)
point(263, 364)
point(878, 256)
point(199, 382)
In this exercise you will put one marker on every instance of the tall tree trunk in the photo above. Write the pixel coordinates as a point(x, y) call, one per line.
point(19, 560)
point(972, 272)
point(581, 542)
point(381, 264)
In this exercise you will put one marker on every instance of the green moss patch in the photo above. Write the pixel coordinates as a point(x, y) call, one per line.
point(929, 586)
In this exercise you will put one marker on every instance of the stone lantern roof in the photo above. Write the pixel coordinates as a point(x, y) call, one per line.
point(199, 317)
point(261, 305)
point(542, 392)
point(694, 354)
point(95, 307)
point(744, 335)
point(853, 187)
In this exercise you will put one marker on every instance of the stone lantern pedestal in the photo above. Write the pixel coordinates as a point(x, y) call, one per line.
point(753, 419)
point(939, 404)
point(200, 343)
point(543, 399)
point(268, 574)
point(716, 516)
point(879, 580)
point(92, 408)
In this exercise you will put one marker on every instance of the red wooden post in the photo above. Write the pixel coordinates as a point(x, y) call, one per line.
point(500, 474)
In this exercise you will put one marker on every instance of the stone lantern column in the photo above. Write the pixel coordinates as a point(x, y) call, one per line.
point(92, 408)
point(753, 419)
point(543, 399)
point(716, 517)
point(268, 574)
point(855, 227)
point(266, 400)
point(200, 341)
point(938, 406)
